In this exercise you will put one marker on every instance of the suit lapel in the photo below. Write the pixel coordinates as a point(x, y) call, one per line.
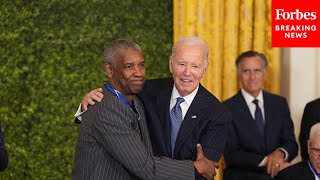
point(308, 173)
point(163, 105)
point(270, 123)
point(191, 119)
point(143, 126)
point(245, 113)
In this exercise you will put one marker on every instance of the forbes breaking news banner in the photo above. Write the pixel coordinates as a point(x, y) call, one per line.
point(295, 23)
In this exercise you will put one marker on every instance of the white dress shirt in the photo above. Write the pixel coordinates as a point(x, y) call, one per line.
point(187, 100)
point(252, 107)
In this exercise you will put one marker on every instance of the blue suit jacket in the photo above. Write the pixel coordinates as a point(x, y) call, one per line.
point(206, 122)
point(245, 149)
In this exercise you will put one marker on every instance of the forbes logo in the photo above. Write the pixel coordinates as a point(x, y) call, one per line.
point(296, 15)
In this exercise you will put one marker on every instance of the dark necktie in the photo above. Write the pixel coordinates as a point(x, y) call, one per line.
point(176, 120)
point(259, 118)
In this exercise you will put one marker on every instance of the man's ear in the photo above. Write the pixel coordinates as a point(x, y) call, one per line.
point(205, 70)
point(108, 69)
point(170, 65)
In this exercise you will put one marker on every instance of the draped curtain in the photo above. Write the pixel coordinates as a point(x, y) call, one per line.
point(230, 27)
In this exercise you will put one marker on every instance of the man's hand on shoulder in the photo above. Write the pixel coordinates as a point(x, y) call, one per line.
point(91, 98)
point(204, 166)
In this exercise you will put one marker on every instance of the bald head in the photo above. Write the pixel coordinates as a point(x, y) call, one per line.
point(315, 131)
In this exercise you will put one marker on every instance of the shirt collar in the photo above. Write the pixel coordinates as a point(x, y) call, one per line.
point(188, 98)
point(249, 98)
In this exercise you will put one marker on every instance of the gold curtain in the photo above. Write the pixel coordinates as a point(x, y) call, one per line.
point(230, 27)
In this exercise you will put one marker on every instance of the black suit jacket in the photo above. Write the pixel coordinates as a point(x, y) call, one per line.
point(311, 116)
point(245, 149)
point(206, 122)
point(299, 171)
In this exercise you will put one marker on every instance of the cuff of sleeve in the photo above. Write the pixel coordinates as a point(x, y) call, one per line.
point(263, 162)
point(78, 114)
point(286, 154)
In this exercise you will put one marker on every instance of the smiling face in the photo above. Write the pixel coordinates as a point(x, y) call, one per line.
point(252, 75)
point(127, 74)
point(188, 66)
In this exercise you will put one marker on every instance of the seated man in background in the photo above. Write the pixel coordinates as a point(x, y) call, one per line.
point(203, 119)
point(261, 138)
point(311, 116)
point(113, 140)
point(308, 169)
point(3, 152)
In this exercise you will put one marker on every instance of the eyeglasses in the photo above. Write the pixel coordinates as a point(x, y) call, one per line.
point(315, 151)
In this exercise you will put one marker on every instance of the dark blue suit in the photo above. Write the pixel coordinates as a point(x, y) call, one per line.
point(245, 149)
point(206, 122)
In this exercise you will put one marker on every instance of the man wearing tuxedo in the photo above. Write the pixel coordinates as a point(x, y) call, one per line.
point(203, 118)
point(311, 116)
point(308, 169)
point(261, 138)
point(113, 140)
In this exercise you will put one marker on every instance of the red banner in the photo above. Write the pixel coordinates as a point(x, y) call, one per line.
point(295, 23)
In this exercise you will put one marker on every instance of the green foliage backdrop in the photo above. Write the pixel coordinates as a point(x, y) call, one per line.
point(51, 54)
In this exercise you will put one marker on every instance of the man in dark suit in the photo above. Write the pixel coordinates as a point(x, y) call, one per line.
point(113, 140)
point(3, 152)
point(311, 116)
point(309, 168)
point(261, 138)
point(204, 119)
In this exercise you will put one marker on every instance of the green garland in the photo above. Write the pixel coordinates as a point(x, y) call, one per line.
point(51, 54)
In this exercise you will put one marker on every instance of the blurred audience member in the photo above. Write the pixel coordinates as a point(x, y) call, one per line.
point(311, 116)
point(261, 138)
point(308, 169)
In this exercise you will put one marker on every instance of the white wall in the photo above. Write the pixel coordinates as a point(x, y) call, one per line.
point(300, 80)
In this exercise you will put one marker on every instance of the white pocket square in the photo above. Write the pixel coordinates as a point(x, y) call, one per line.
point(193, 117)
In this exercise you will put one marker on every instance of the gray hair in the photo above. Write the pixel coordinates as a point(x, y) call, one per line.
point(248, 54)
point(117, 48)
point(315, 130)
point(191, 41)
